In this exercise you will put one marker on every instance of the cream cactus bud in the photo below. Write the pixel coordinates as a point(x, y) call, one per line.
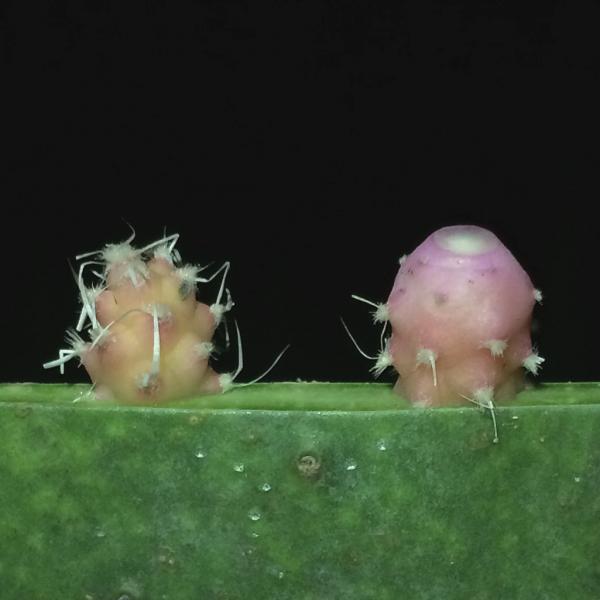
point(150, 340)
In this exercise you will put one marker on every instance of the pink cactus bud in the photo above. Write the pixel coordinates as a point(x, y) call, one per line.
point(460, 311)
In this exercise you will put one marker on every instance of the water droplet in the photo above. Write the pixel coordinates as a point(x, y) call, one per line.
point(577, 479)
point(381, 445)
point(276, 572)
point(351, 465)
point(100, 533)
point(166, 556)
point(515, 417)
point(254, 514)
point(254, 534)
point(542, 439)
point(200, 454)
point(166, 560)
point(265, 487)
point(239, 467)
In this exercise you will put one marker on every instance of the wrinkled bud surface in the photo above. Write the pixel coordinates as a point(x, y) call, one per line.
point(150, 340)
point(121, 363)
point(460, 311)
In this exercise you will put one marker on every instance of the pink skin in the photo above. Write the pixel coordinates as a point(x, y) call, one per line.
point(458, 290)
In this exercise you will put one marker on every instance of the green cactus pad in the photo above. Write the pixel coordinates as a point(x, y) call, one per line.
point(299, 491)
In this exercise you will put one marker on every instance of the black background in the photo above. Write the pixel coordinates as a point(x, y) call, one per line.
point(310, 143)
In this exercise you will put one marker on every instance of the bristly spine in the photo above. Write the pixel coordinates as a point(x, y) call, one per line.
point(151, 339)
